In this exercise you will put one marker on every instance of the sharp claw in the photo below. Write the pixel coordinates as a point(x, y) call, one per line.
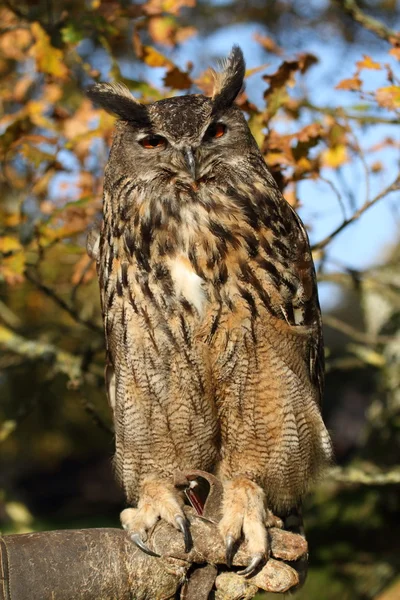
point(137, 540)
point(254, 563)
point(184, 528)
point(229, 550)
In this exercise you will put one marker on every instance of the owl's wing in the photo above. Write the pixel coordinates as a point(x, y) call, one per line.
point(276, 281)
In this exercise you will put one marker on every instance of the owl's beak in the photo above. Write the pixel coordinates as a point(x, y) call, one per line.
point(190, 162)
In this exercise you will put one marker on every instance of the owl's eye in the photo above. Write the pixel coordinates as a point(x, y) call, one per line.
point(153, 141)
point(216, 130)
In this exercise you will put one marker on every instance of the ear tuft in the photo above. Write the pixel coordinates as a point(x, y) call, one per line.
point(228, 81)
point(118, 100)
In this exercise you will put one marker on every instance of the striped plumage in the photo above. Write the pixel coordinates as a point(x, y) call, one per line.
point(211, 314)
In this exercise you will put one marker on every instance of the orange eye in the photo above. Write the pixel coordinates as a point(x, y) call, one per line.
point(216, 130)
point(153, 141)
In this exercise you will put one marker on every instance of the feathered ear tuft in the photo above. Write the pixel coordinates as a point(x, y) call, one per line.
point(228, 81)
point(118, 100)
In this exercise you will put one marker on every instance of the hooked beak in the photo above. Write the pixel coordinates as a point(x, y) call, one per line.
point(190, 162)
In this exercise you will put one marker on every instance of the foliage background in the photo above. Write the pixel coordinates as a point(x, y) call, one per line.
point(332, 142)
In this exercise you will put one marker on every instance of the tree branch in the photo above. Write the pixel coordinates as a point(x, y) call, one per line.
point(391, 188)
point(60, 360)
point(62, 304)
point(363, 477)
point(377, 27)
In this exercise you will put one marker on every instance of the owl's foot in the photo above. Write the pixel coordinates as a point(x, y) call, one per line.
point(244, 513)
point(158, 500)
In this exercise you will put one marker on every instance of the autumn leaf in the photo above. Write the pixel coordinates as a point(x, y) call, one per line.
point(268, 44)
point(388, 97)
point(395, 52)
point(284, 76)
point(335, 157)
point(351, 84)
point(367, 63)
point(154, 58)
point(48, 59)
point(177, 79)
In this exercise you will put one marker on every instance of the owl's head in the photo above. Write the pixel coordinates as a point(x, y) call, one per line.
point(186, 136)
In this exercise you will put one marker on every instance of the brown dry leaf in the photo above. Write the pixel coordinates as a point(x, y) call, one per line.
point(268, 44)
point(352, 84)
point(334, 157)
point(48, 59)
point(368, 63)
point(177, 79)
point(388, 97)
point(306, 60)
point(284, 76)
point(308, 132)
point(376, 167)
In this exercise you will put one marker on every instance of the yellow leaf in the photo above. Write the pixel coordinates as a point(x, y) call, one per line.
point(153, 58)
point(9, 244)
point(352, 84)
point(389, 97)
point(48, 59)
point(368, 63)
point(334, 157)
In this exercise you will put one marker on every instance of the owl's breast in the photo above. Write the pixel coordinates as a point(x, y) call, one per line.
point(187, 283)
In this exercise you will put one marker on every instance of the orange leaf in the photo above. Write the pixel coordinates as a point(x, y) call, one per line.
point(389, 97)
point(368, 63)
point(268, 44)
point(352, 84)
point(395, 52)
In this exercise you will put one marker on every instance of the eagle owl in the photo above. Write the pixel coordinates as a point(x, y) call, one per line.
point(211, 315)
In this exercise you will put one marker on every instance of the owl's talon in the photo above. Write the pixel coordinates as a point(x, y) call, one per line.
point(137, 540)
point(229, 550)
point(184, 528)
point(252, 567)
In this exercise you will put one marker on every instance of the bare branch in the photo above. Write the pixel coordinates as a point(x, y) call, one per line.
point(62, 304)
point(355, 334)
point(363, 477)
point(393, 187)
point(61, 361)
point(377, 27)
